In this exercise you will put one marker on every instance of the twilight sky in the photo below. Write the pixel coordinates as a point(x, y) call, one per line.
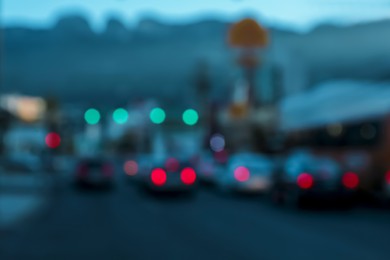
point(295, 14)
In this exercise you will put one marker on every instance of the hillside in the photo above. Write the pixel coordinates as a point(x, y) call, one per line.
point(156, 59)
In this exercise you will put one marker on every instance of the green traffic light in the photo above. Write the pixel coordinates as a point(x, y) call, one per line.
point(190, 117)
point(120, 116)
point(157, 115)
point(92, 116)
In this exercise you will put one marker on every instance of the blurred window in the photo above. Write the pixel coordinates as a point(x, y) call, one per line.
point(364, 134)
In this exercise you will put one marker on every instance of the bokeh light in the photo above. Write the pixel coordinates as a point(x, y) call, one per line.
point(190, 117)
point(157, 115)
point(159, 177)
point(131, 168)
point(92, 116)
point(120, 116)
point(53, 140)
point(217, 143)
point(335, 130)
point(30, 109)
point(188, 176)
point(305, 181)
point(241, 174)
point(350, 180)
point(387, 177)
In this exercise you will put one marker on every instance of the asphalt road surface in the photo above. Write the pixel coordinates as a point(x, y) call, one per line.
point(126, 224)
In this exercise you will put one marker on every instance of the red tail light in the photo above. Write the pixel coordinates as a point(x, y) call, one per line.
point(108, 170)
point(188, 176)
point(82, 170)
point(305, 181)
point(131, 168)
point(158, 177)
point(241, 174)
point(350, 180)
point(387, 177)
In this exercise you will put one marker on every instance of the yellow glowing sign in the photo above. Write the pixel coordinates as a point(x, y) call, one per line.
point(248, 34)
point(30, 109)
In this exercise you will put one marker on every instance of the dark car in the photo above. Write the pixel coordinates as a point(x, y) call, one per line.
point(208, 168)
point(305, 177)
point(170, 175)
point(94, 173)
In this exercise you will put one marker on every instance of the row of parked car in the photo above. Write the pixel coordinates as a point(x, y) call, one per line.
point(292, 180)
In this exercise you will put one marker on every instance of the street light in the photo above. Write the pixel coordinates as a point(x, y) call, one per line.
point(92, 116)
point(120, 116)
point(190, 117)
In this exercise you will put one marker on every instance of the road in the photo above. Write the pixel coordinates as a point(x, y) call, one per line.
point(126, 224)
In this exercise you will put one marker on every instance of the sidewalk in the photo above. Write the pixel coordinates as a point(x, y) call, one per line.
point(21, 196)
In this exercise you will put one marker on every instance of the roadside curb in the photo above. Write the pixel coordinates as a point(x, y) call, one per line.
point(25, 205)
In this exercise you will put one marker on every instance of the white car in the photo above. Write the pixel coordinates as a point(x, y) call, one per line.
point(248, 173)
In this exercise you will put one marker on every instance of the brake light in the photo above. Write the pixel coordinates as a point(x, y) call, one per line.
point(188, 176)
point(387, 177)
point(305, 181)
point(158, 177)
point(131, 168)
point(350, 180)
point(108, 170)
point(241, 174)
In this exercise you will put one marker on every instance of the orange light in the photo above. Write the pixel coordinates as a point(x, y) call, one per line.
point(248, 34)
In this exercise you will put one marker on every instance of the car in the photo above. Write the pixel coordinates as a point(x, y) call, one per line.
point(305, 177)
point(208, 168)
point(94, 172)
point(170, 175)
point(247, 173)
